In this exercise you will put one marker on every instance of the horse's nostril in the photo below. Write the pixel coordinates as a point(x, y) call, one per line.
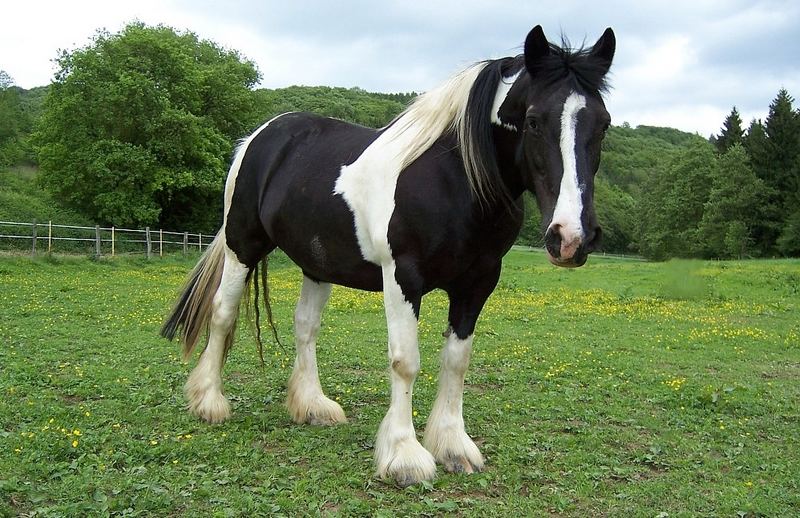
point(552, 241)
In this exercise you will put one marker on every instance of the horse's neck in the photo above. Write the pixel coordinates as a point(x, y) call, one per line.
point(506, 147)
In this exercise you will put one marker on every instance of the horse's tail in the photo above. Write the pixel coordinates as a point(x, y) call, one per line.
point(192, 313)
point(253, 282)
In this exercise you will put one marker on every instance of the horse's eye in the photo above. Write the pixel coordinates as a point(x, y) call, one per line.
point(532, 123)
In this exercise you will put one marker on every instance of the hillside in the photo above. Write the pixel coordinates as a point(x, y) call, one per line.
point(23, 200)
point(351, 104)
point(630, 155)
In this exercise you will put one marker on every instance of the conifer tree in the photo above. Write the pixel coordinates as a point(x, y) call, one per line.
point(782, 127)
point(780, 170)
point(731, 134)
point(767, 230)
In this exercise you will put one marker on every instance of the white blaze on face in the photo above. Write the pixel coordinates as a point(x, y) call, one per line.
point(567, 214)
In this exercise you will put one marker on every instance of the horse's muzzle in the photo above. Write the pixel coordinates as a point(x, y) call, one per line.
point(570, 252)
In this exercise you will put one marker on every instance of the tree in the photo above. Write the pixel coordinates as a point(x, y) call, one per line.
point(774, 149)
point(767, 229)
point(672, 203)
point(731, 134)
point(734, 207)
point(615, 214)
point(789, 240)
point(353, 104)
point(14, 121)
point(782, 128)
point(631, 155)
point(531, 232)
point(755, 143)
point(138, 126)
point(6, 81)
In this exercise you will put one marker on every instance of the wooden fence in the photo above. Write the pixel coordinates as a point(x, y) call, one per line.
point(40, 238)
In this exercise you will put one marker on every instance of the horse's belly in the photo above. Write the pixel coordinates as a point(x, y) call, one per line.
point(328, 259)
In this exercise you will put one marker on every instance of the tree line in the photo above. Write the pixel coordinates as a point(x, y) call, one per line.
point(138, 128)
point(735, 195)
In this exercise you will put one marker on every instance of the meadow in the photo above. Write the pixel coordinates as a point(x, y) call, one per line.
point(621, 388)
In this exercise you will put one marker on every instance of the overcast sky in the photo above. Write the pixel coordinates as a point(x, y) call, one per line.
point(682, 63)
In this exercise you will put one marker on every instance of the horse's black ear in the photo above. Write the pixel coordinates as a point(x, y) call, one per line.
point(603, 50)
point(536, 48)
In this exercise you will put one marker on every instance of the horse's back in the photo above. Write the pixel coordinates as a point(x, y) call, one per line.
point(284, 192)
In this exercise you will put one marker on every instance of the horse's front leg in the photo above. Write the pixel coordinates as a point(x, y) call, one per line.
point(398, 454)
point(445, 435)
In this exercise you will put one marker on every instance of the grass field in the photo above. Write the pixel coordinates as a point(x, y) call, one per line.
point(621, 388)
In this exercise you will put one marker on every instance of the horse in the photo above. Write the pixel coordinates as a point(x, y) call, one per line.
point(431, 201)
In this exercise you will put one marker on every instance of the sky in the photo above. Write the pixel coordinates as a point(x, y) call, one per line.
point(682, 63)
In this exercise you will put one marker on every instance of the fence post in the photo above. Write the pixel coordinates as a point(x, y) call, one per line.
point(200, 241)
point(147, 239)
point(49, 236)
point(160, 242)
point(97, 241)
point(185, 241)
point(112, 241)
point(33, 250)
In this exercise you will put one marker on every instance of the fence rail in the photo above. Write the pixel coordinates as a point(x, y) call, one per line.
point(99, 241)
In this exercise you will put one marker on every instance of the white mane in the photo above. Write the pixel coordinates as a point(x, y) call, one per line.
point(436, 112)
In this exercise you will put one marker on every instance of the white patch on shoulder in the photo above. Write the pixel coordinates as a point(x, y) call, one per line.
point(368, 186)
point(502, 92)
point(569, 206)
point(233, 172)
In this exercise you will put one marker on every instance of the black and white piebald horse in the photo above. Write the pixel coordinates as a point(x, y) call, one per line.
point(432, 201)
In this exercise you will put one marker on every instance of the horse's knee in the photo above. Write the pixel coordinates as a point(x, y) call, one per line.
point(406, 365)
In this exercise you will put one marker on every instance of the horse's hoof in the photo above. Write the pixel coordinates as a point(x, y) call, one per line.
point(461, 465)
point(319, 411)
point(213, 408)
point(454, 450)
point(409, 464)
point(206, 402)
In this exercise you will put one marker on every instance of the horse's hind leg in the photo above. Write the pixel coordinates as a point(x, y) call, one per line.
point(305, 400)
point(203, 389)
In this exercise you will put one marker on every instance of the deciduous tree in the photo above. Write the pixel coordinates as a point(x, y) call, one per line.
point(734, 207)
point(12, 120)
point(138, 126)
point(672, 204)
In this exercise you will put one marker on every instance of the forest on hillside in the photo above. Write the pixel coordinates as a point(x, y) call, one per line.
point(138, 127)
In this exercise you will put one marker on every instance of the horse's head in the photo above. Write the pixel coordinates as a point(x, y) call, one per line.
point(557, 104)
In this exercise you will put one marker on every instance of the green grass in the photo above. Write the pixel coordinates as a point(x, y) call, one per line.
point(621, 388)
